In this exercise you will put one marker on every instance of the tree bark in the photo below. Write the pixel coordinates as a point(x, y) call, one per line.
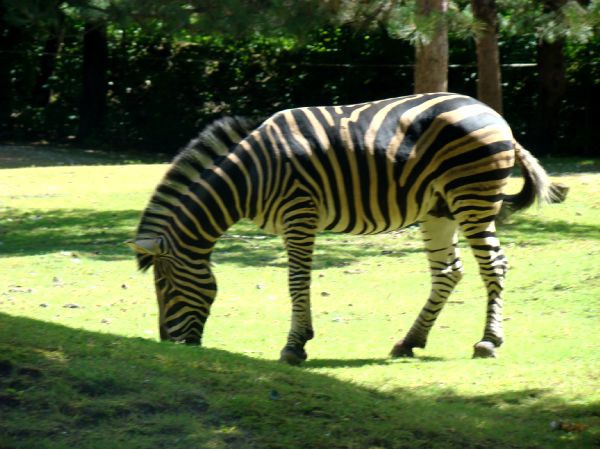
point(9, 36)
point(489, 87)
point(431, 58)
point(41, 92)
point(552, 88)
point(92, 111)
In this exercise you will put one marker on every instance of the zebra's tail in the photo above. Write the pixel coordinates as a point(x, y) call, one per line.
point(537, 185)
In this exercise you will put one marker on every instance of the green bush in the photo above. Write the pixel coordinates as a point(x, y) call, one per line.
point(162, 91)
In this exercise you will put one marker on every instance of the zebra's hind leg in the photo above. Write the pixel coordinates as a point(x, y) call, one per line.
point(299, 243)
point(481, 235)
point(440, 237)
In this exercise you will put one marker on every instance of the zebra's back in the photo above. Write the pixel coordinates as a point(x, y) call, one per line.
point(383, 165)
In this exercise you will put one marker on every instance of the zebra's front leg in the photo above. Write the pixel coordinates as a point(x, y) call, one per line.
point(440, 238)
point(299, 242)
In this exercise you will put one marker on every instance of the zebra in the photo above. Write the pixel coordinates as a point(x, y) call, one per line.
point(439, 160)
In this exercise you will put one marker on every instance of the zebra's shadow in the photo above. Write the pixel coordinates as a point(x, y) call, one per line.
point(357, 363)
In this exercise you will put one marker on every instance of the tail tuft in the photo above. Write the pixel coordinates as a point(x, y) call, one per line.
point(559, 192)
point(537, 185)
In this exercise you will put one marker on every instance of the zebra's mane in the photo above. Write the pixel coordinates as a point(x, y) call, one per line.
point(213, 143)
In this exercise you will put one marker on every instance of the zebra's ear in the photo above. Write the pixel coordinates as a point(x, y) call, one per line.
point(146, 246)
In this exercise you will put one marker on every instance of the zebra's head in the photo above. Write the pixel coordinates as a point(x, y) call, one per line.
point(185, 289)
point(171, 238)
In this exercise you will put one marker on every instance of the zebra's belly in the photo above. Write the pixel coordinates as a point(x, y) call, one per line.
point(403, 211)
point(344, 222)
point(359, 225)
point(394, 210)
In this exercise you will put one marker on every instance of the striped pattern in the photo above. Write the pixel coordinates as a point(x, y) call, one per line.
point(441, 160)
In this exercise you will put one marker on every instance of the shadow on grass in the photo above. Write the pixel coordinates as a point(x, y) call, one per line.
point(255, 248)
point(344, 363)
point(534, 231)
point(358, 363)
point(22, 156)
point(63, 387)
point(556, 166)
point(100, 234)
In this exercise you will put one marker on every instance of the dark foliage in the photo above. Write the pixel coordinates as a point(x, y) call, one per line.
point(160, 92)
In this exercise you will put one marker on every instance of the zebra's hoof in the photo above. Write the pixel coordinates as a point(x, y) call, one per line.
point(402, 350)
point(484, 350)
point(292, 356)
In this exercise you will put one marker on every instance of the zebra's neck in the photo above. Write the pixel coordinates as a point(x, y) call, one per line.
point(204, 192)
point(191, 217)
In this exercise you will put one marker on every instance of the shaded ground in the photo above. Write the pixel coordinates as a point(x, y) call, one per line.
point(19, 156)
point(68, 387)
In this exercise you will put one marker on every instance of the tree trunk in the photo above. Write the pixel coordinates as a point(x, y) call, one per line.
point(431, 58)
point(41, 92)
point(9, 36)
point(552, 88)
point(92, 111)
point(489, 88)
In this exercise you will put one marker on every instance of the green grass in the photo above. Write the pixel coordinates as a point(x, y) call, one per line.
point(80, 365)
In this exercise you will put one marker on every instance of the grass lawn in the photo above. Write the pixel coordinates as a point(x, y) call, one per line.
point(81, 367)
